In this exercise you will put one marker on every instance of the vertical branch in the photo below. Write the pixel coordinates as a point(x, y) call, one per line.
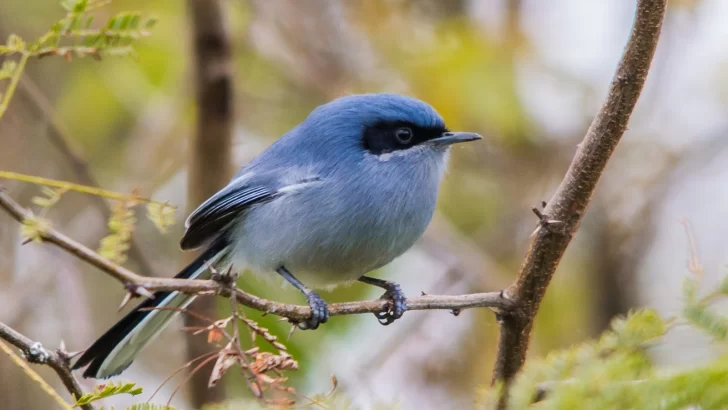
point(563, 214)
point(211, 145)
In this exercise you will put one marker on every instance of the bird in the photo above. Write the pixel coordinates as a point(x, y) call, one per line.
point(341, 194)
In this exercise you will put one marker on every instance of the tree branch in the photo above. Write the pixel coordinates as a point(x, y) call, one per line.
point(210, 158)
point(563, 214)
point(35, 353)
point(295, 313)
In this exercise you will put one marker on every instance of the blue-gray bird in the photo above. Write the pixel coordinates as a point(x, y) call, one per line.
point(343, 193)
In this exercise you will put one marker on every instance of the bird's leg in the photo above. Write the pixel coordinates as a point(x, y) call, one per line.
point(397, 299)
point(319, 308)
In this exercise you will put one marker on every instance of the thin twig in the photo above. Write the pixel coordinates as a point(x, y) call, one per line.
point(35, 353)
point(572, 197)
point(14, 80)
point(294, 313)
point(78, 188)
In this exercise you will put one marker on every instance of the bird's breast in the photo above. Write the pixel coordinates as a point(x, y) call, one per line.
point(341, 228)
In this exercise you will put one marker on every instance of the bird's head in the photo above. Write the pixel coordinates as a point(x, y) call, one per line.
point(383, 125)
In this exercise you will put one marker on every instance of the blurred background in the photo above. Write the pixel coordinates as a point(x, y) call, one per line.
point(527, 74)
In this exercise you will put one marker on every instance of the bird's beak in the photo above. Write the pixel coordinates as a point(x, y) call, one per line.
point(448, 138)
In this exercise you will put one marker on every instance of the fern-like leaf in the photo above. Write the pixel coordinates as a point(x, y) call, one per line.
point(107, 390)
point(149, 406)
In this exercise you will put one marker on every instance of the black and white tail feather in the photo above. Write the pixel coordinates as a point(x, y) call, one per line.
point(206, 227)
point(115, 350)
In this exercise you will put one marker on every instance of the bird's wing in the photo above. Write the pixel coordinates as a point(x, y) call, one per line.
point(209, 219)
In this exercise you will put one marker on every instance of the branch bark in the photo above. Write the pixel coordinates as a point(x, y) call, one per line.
point(210, 149)
point(563, 214)
point(35, 353)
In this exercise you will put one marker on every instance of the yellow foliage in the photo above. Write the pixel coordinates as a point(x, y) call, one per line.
point(33, 229)
point(121, 225)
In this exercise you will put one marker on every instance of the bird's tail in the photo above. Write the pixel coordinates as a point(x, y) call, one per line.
point(116, 349)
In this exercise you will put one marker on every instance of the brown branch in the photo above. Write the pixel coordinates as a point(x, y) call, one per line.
point(35, 353)
point(210, 158)
point(294, 313)
point(570, 201)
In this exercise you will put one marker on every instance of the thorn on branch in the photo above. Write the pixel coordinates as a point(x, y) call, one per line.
point(63, 354)
point(545, 222)
point(66, 356)
point(134, 291)
point(226, 278)
point(499, 317)
point(455, 312)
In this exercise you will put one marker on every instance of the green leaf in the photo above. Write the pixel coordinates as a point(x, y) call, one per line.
point(52, 196)
point(121, 224)
point(107, 390)
point(723, 288)
point(75, 6)
point(635, 330)
point(35, 228)
point(134, 21)
point(151, 22)
point(161, 215)
point(716, 325)
point(691, 285)
point(76, 22)
point(15, 43)
point(8, 69)
point(57, 27)
point(149, 406)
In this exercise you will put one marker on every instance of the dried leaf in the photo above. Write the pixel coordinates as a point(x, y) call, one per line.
point(265, 361)
point(226, 358)
point(214, 335)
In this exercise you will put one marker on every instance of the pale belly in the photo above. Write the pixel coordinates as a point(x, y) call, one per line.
point(325, 243)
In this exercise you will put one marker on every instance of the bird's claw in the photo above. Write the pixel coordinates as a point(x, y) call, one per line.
point(319, 312)
point(395, 308)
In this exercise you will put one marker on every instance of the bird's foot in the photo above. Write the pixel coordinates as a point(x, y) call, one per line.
point(396, 307)
point(319, 312)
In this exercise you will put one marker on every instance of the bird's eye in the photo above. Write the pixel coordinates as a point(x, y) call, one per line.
point(403, 135)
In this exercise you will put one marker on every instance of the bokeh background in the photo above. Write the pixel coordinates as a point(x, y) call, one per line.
point(528, 75)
